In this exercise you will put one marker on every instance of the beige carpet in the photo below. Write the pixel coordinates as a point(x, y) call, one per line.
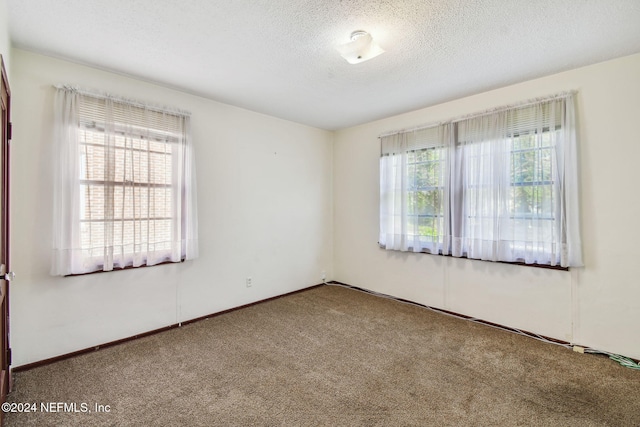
point(332, 356)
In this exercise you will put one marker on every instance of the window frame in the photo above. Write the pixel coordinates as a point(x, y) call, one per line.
point(150, 182)
point(543, 178)
point(131, 184)
point(440, 187)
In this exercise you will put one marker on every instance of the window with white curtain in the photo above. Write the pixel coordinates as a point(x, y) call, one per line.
point(498, 186)
point(124, 186)
point(413, 190)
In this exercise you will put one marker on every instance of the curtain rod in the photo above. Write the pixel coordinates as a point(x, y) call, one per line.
point(528, 102)
point(134, 103)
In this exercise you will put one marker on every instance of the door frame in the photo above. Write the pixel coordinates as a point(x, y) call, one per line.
point(5, 350)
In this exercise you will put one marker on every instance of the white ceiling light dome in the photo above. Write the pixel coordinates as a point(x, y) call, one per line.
point(361, 48)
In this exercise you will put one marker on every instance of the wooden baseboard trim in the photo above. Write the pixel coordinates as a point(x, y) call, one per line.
point(485, 322)
point(453, 313)
point(50, 360)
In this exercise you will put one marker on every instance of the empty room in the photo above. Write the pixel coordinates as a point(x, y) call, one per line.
point(280, 213)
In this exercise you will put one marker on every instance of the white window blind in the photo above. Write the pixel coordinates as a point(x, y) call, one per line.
point(124, 192)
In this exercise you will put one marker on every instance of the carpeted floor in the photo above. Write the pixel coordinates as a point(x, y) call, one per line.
point(332, 356)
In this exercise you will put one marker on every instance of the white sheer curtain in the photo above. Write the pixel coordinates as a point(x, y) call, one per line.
point(517, 176)
point(393, 193)
point(499, 186)
point(414, 175)
point(124, 184)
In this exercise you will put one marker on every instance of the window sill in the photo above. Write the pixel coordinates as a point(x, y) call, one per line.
point(129, 267)
point(522, 263)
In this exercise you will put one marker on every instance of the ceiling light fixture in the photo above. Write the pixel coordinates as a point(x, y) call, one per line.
point(360, 48)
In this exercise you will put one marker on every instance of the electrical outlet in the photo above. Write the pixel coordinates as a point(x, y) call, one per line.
point(324, 275)
point(249, 282)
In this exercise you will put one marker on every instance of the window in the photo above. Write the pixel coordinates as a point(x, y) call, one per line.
point(426, 193)
point(499, 186)
point(413, 182)
point(124, 192)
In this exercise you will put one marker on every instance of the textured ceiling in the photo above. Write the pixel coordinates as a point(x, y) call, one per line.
point(278, 57)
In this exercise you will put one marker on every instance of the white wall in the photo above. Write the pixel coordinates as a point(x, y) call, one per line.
point(598, 305)
point(267, 189)
point(265, 203)
point(5, 42)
